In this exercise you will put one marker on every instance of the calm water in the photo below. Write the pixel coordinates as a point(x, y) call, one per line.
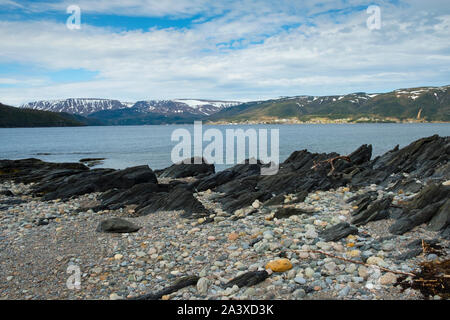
point(125, 146)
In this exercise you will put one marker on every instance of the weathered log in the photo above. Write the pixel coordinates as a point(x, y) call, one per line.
point(179, 284)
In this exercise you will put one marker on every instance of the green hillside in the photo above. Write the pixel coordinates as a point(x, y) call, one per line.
point(416, 104)
point(11, 117)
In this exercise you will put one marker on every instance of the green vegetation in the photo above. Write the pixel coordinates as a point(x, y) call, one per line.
point(11, 117)
point(417, 104)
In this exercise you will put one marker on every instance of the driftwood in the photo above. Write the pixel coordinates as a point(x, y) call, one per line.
point(248, 279)
point(179, 284)
point(331, 162)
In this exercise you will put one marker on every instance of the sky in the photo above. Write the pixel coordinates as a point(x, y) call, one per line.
point(239, 50)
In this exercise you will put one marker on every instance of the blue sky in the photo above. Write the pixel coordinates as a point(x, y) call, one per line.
point(231, 50)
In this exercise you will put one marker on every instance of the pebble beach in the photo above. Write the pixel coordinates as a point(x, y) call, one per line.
point(41, 240)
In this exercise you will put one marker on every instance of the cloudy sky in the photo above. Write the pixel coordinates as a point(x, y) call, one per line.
point(232, 50)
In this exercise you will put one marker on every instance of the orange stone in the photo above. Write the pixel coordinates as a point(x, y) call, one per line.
point(233, 236)
point(279, 265)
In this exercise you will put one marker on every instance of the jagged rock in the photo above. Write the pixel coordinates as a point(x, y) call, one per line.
point(409, 254)
point(177, 199)
point(338, 231)
point(277, 200)
point(442, 218)
point(188, 168)
point(35, 170)
point(248, 279)
point(423, 158)
point(117, 225)
point(371, 212)
point(139, 194)
point(286, 212)
point(425, 206)
point(7, 193)
point(96, 180)
point(414, 218)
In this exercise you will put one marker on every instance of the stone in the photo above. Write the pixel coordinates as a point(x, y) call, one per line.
point(376, 261)
point(388, 278)
point(299, 293)
point(118, 256)
point(256, 204)
point(309, 272)
point(117, 225)
point(233, 236)
point(279, 265)
point(203, 285)
point(300, 280)
point(338, 231)
point(115, 296)
point(311, 234)
point(354, 253)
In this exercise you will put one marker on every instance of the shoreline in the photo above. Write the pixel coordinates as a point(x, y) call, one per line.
point(193, 223)
point(239, 123)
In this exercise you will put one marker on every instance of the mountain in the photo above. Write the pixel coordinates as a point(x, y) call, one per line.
point(14, 117)
point(402, 105)
point(114, 112)
point(183, 106)
point(81, 106)
point(414, 104)
point(162, 112)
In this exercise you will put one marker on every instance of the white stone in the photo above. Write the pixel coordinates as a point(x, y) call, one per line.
point(202, 285)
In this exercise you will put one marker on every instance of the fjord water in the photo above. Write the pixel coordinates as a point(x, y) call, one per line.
point(125, 146)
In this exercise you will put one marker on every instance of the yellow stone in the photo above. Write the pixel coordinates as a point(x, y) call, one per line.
point(350, 244)
point(279, 265)
point(165, 297)
point(346, 189)
point(354, 253)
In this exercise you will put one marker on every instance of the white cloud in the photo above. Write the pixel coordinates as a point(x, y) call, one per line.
point(317, 57)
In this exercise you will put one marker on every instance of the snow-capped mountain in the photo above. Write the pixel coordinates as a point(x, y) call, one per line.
point(166, 107)
point(183, 106)
point(81, 106)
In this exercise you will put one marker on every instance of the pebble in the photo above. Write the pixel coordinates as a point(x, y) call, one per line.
point(388, 278)
point(202, 285)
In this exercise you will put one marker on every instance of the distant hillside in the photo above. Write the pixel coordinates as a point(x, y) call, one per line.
point(141, 112)
point(11, 117)
point(415, 104)
point(133, 116)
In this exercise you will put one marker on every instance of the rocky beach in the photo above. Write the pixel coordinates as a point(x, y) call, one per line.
point(326, 226)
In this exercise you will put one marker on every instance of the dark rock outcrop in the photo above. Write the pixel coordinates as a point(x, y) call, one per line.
point(430, 204)
point(188, 168)
point(179, 198)
point(376, 210)
point(338, 231)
